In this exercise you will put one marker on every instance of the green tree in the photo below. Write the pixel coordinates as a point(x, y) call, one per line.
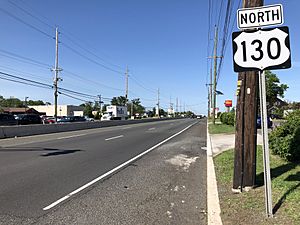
point(273, 88)
point(11, 102)
point(104, 107)
point(37, 102)
point(119, 101)
point(137, 106)
point(88, 109)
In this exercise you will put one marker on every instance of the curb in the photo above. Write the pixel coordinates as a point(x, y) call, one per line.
point(213, 204)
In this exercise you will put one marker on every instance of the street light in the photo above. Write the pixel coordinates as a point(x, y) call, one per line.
point(26, 103)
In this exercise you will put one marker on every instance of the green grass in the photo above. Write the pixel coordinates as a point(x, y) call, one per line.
point(219, 128)
point(250, 205)
point(217, 120)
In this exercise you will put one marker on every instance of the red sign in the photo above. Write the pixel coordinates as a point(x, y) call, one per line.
point(228, 103)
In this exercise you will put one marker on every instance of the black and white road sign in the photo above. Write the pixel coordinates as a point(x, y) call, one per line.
point(266, 49)
point(257, 17)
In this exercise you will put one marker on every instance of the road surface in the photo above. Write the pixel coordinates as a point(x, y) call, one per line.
point(40, 174)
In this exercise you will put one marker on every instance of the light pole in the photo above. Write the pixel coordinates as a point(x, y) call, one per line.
point(25, 103)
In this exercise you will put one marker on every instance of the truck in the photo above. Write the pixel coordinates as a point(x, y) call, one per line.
point(114, 112)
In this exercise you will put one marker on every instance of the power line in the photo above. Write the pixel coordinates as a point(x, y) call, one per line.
point(25, 58)
point(30, 14)
point(89, 59)
point(70, 96)
point(90, 52)
point(27, 80)
point(27, 24)
point(141, 85)
point(22, 82)
point(90, 81)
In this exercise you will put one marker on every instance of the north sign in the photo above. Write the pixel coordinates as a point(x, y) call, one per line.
point(266, 49)
point(260, 16)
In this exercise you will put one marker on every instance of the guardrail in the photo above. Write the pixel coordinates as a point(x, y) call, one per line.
point(35, 129)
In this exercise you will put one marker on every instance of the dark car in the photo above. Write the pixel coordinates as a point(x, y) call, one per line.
point(24, 119)
point(7, 119)
point(71, 119)
point(258, 122)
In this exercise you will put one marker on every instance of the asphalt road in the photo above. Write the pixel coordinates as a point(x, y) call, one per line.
point(39, 170)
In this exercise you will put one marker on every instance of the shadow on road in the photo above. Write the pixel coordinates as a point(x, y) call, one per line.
point(51, 151)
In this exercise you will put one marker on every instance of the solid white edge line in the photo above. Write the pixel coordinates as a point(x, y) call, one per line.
point(108, 139)
point(113, 170)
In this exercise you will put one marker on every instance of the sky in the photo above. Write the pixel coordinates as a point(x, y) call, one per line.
point(164, 44)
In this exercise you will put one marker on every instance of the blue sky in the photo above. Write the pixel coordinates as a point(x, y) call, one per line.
point(164, 43)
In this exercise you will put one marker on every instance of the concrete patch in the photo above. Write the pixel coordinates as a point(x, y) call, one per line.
point(182, 161)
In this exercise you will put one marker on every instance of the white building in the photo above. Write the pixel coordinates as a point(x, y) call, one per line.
point(62, 110)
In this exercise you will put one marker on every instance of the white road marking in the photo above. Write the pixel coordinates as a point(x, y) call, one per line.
point(108, 139)
point(72, 136)
point(125, 128)
point(113, 170)
point(153, 128)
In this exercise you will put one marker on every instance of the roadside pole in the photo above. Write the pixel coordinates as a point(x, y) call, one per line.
point(266, 151)
point(257, 50)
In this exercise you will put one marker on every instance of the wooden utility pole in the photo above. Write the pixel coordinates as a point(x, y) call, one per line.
point(126, 84)
point(215, 75)
point(246, 133)
point(56, 78)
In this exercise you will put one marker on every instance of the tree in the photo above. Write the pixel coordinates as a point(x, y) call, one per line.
point(11, 102)
point(137, 106)
point(119, 101)
point(37, 102)
point(273, 88)
point(162, 112)
point(88, 109)
point(104, 107)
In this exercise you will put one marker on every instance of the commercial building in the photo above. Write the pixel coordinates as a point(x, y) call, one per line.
point(62, 110)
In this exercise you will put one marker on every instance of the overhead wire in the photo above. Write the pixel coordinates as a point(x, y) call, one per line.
point(64, 44)
point(90, 59)
point(27, 24)
point(30, 14)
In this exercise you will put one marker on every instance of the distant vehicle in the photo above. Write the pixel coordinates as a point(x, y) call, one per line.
point(258, 122)
point(72, 119)
point(24, 119)
point(89, 119)
point(114, 112)
point(7, 119)
point(48, 120)
point(137, 116)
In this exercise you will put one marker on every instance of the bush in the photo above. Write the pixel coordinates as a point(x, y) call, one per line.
point(228, 118)
point(285, 139)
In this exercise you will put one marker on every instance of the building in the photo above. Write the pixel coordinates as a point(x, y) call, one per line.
point(62, 110)
point(16, 111)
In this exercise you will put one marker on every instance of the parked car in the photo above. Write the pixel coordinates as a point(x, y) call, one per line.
point(24, 119)
point(258, 122)
point(89, 119)
point(71, 119)
point(7, 119)
point(48, 120)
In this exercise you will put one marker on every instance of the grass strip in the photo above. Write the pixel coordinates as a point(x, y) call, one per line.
point(221, 129)
point(249, 207)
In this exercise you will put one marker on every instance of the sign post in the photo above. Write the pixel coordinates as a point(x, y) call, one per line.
point(259, 50)
point(266, 151)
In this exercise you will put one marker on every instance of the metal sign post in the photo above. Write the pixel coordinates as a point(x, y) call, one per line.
point(266, 153)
